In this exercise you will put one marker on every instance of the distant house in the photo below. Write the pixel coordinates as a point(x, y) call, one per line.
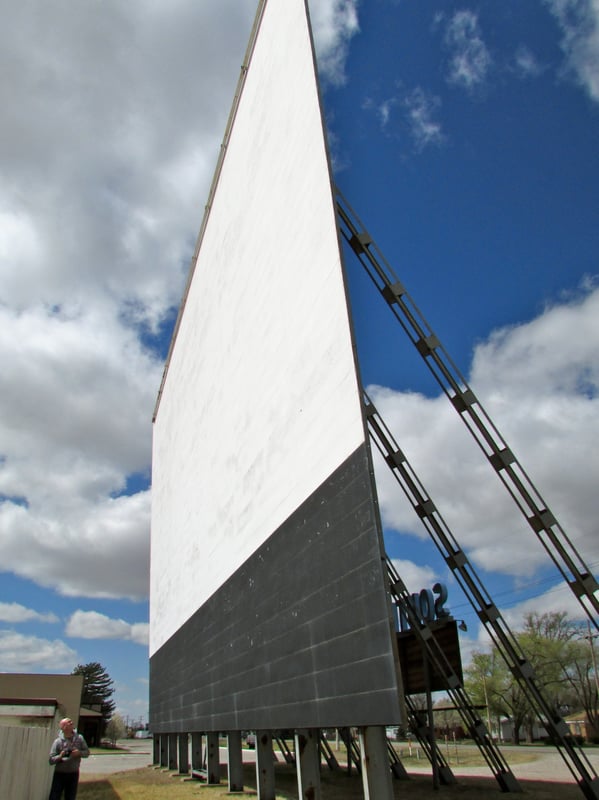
point(533, 733)
point(63, 690)
point(35, 712)
point(579, 725)
point(91, 725)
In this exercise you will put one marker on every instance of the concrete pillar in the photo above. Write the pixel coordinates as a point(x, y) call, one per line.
point(197, 759)
point(235, 761)
point(156, 749)
point(164, 750)
point(307, 759)
point(265, 766)
point(172, 750)
point(212, 759)
point(376, 773)
point(183, 753)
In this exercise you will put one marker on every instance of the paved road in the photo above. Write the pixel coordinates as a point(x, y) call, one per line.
point(138, 754)
point(547, 766)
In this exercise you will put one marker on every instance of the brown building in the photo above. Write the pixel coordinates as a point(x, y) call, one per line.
point(62, 690)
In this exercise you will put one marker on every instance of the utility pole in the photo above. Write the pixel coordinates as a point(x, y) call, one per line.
point(591, 637)
point(487, 705)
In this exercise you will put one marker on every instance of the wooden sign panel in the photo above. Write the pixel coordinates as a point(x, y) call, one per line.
point(412, 657)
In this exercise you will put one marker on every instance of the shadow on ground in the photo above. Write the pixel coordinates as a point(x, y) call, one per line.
point(340, 786)
point(155, 784)
point(97, 790)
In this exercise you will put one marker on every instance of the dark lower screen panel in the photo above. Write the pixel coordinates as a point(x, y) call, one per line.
point(299, 636)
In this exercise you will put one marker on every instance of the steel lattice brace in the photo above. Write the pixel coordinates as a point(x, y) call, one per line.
point(439, 661)
point(505, 641)
point(536, 511)
point(430, 747)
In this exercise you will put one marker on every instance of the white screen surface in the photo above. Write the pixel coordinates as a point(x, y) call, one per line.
point(261, 402)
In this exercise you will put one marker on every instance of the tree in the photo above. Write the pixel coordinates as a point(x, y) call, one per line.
point(116, 728)
point(564, 663)
point(448, 720)
point(490, 683)
point(98, 689)
point(510, 701)
point(580, 672)
point(547, 642)
point(562, 659)
point(483, 678)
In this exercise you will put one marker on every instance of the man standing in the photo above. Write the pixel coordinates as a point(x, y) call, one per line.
point(66, 754)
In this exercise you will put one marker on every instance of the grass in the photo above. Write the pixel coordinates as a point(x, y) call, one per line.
point(151, 783)
point(464, 755)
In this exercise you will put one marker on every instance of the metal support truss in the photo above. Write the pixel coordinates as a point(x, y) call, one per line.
point(536, 511)
point(440, 663)
point(397, 768)
point(420, 728)
point(353, 749)
point(488, 613)
point(288, 754)
point(327, 753)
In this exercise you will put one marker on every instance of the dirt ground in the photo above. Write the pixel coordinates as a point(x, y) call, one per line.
point(420, 787)
point(150, 782)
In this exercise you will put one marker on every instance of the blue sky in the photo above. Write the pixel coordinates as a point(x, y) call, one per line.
point(465, 137)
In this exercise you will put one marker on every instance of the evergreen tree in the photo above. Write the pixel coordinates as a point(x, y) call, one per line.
point(98, 689)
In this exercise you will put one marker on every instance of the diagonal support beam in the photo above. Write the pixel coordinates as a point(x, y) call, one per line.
point(542, 521)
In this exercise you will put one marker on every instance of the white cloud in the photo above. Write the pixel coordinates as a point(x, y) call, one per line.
point(20, 653)
point(335, 23)
point(420, 108)
point(384, 111)
point(470, 59)
point(539, 382)
point(558, 599)
point(415, 576)
point(18, 239)
point(104, 104)
point(15, 612)
point(113, 115)
point(113, 118)
point(101, 550)
point(92, 625)
point(140, 633)
point(79, 383)
point(579, 23)
point(526, 64)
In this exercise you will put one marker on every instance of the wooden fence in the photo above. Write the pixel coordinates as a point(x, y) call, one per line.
point(25, 773)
